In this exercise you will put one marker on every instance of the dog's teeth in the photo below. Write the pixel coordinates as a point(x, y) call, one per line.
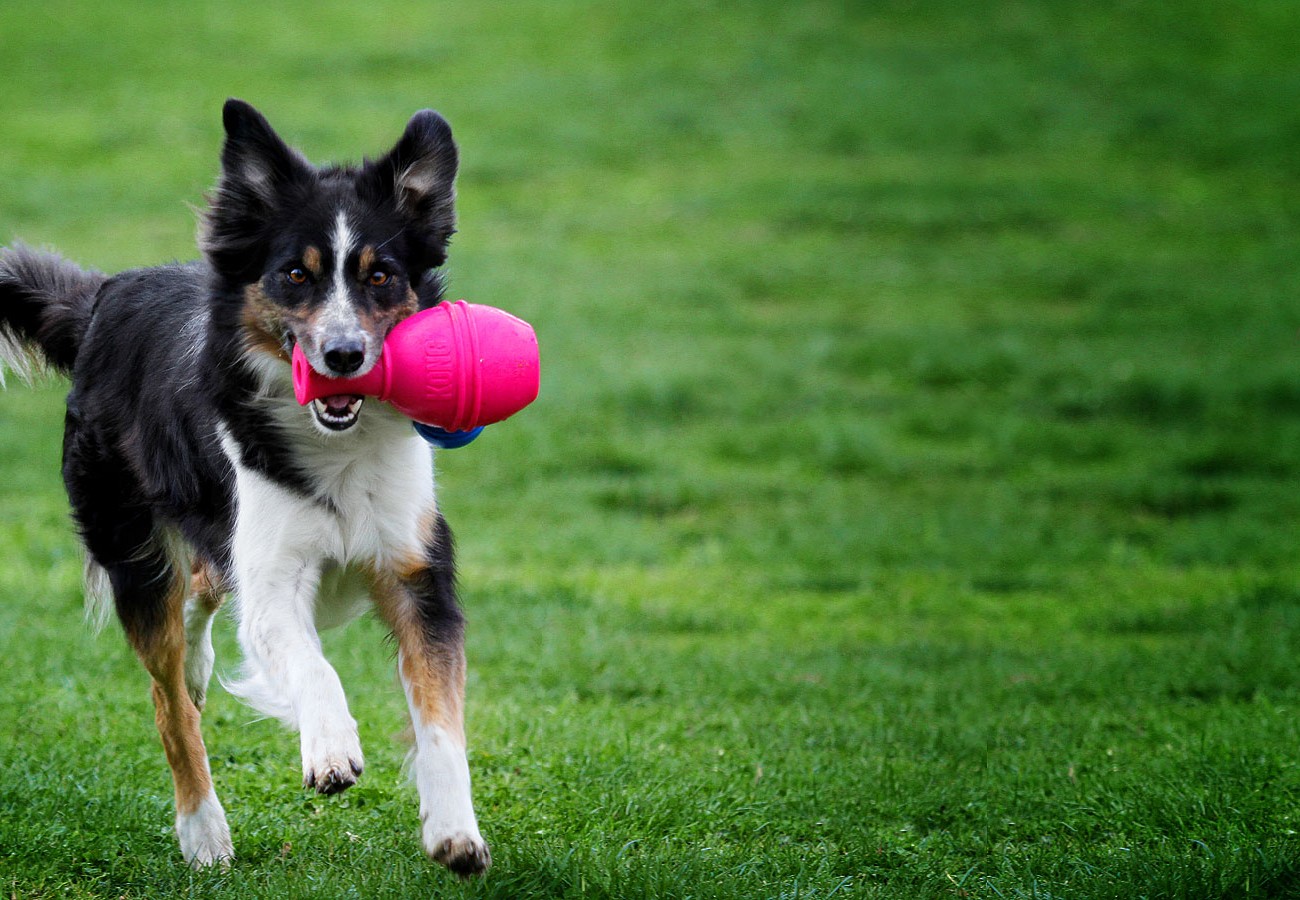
point(334, 415)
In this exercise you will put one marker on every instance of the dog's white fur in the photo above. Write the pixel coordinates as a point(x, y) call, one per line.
point(204, 835)
point(441, 774)
point(293, 560)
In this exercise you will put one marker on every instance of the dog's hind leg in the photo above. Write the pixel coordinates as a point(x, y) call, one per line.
point(149, 591)
point(419, 603)
point(149, 588)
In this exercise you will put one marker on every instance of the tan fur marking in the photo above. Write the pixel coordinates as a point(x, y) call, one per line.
point(263, 323)
point(177, 719)
point(175, 714)
point(206, 586)
point(412, 560)
point(410, 307)
point(367, 260)
point(261, 330)
point(434, 673)
point(380, 322)
point(409, 565)
point(311, 258)
point(437, 684)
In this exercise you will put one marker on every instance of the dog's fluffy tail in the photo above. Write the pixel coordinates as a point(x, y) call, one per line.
point(45, 305)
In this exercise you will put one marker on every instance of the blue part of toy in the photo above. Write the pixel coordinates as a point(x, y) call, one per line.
point(446, 440)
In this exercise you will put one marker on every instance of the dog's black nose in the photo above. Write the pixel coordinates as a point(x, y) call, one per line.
point(345, 356)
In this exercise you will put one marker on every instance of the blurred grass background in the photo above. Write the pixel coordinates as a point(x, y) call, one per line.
point(910, 509)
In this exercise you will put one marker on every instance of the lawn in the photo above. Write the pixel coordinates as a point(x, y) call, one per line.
point(912, 506)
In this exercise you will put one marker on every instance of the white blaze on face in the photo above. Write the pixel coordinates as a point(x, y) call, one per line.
point(340, 316)
point(338, 324)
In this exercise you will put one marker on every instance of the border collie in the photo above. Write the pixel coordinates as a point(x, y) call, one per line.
point(193, 473)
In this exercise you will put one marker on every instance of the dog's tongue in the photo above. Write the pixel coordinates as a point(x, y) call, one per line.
point(339, 403)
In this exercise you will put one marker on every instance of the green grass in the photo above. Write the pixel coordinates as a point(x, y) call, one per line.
point(912, 508)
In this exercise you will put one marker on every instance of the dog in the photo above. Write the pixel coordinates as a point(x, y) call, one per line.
point(193, 473)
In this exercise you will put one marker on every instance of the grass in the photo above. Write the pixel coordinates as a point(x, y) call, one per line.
point(911, 507)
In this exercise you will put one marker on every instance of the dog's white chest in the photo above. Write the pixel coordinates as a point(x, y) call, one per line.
point(373, 495)
point(373, 498)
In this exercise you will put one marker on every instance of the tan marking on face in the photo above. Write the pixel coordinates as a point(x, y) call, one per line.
point(308, 324)
point(266, 324)
point(367, 260)
point(263, 323)
point(380, 322)
point(412, 304)
point(311, 258)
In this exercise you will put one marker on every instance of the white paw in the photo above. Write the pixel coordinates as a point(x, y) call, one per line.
point(463, 853)
point(204, 835)
point(448, 826)
point(331, 756)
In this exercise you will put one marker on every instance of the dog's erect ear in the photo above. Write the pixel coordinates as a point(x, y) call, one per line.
point(420, 173)
point(257, 169)
point(254, 160)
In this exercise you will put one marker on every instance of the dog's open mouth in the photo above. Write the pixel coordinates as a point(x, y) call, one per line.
point(338, 412)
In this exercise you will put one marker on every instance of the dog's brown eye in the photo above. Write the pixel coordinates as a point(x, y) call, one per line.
point(296, 276)
point(379, 278)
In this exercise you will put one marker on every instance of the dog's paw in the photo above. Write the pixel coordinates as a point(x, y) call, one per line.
point(331, 766)
point(464, 854)
point(204, 836)
point(219, 854)
point(332, 776)
point(448, 827)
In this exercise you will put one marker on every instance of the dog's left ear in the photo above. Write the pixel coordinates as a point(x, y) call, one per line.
point(420, 174)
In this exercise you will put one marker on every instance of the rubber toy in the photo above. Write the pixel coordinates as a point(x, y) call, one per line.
point(456, 367)
point(444, 439)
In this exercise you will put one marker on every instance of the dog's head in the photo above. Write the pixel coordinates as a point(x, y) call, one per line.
point(329, 258)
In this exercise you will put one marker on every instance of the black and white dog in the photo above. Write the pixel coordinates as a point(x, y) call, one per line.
point(192, 471)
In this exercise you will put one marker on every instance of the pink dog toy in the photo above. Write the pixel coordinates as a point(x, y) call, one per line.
point(457, 366)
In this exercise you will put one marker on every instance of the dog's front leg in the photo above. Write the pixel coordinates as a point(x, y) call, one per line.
point(419, 603)
point(277, 572)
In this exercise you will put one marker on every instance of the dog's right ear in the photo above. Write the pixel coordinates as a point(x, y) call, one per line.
point(257, 169)
point(254, 161)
